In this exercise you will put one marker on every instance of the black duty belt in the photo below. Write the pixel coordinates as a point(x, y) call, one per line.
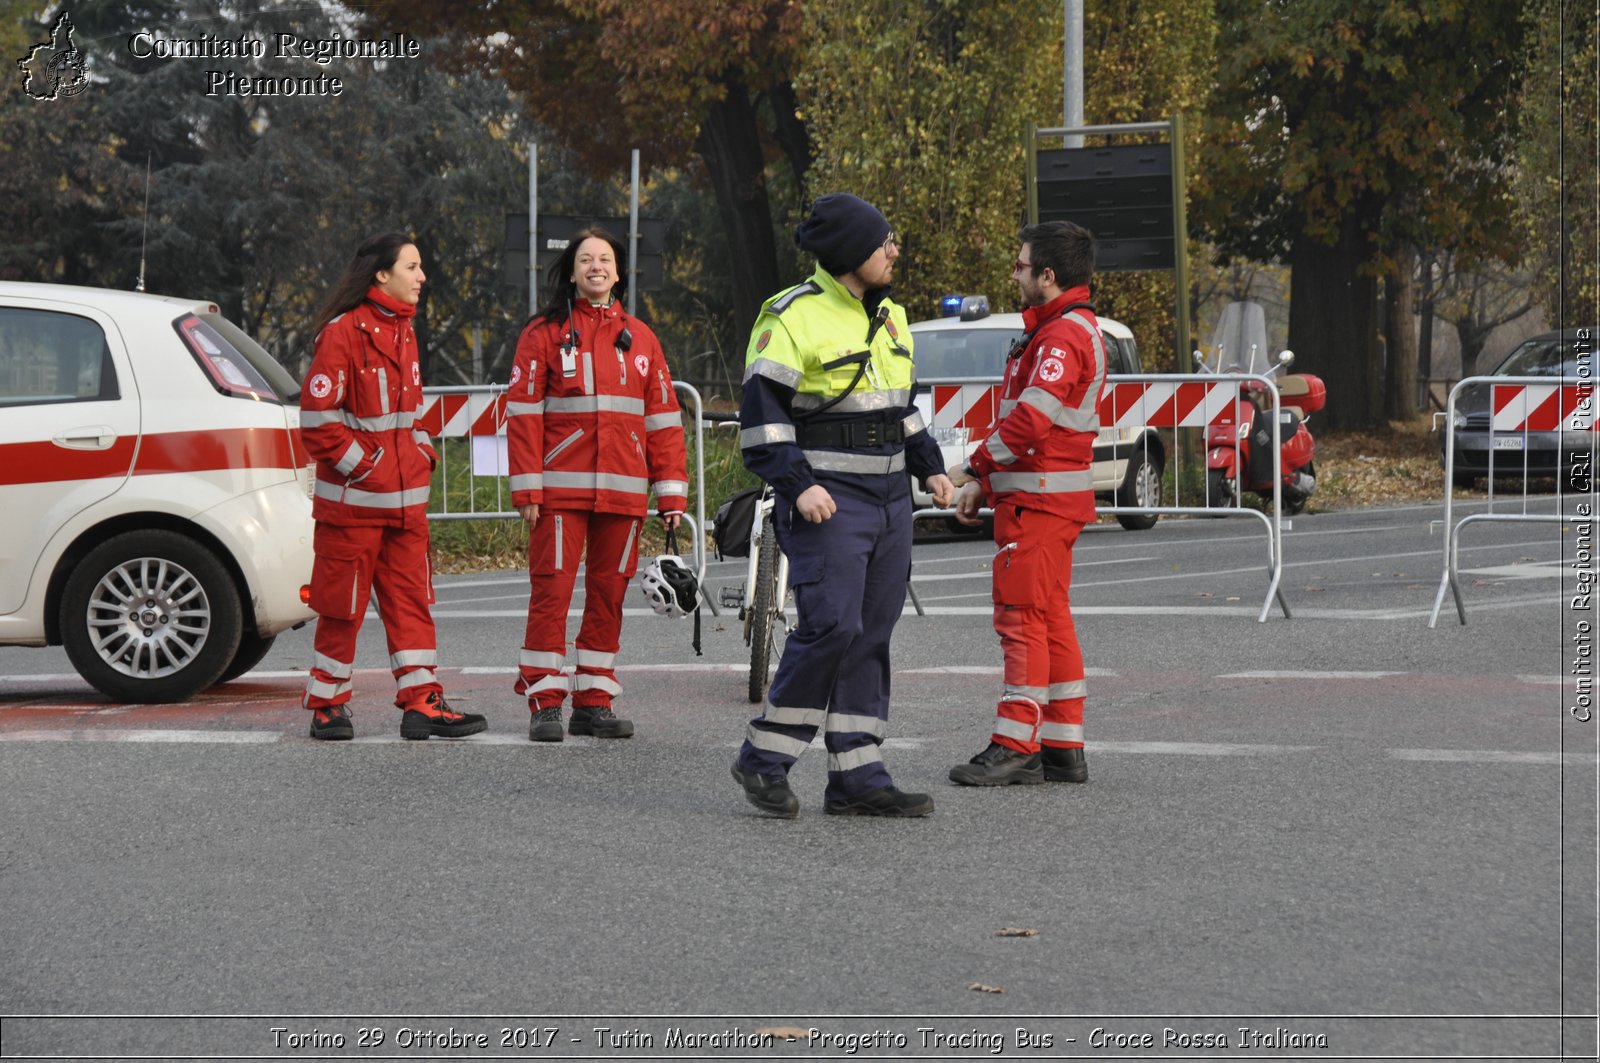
point(850, 434)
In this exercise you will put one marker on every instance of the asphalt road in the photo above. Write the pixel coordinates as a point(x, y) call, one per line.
point(1343, 826)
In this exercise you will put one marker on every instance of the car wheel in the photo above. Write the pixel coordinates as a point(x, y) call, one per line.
point(151, 616)
point(1141, 486)
point(251, 649)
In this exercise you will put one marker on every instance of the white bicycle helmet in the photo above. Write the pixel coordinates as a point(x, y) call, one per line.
point(669, 585)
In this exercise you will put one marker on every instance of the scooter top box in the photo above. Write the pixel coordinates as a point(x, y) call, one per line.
point(1304, 391)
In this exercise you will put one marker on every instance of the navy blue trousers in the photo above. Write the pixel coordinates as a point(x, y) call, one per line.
point(849, 577)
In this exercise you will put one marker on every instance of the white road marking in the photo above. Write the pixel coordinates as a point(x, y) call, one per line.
point(1199, 749)
point(152, 735)
point(1308, 675)
point(1490, 756)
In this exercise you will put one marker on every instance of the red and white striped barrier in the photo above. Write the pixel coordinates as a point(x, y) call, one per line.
point(1159, 404)
point(452, 415)
point(1542, 408)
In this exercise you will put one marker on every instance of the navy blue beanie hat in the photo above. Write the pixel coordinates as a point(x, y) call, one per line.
point(843, 231)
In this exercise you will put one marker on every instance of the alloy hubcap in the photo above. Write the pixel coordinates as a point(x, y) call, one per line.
point(148, 617)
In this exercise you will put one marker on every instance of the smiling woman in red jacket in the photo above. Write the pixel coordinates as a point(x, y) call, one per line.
point(357, 414)
point(594, 429)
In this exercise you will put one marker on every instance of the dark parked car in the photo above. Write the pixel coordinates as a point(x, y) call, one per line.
point(1566, 449)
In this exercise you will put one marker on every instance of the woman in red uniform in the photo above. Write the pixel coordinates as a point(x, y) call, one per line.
point(594, 430)
point(357, 414)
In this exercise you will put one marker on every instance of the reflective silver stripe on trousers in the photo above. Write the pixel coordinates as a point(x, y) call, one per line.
point(793, 716)
point(413, 658)
point(589, 659)
point(913, 424)
point(415, 496)
point(585, 681)
point(856, 401)
point(863, 464)
point(1022, 732)
point(548, 682)
point(843, 723)
point(594, 404)
point(1036, 695)
point(350, 459)
point(1041, 483)
point(763, 434)
point(852, 759)
point(670, 487)
point(1063, 691)
point(627, 547)
point(657, 421)
point(327, 691)
point(1062, 732)
point(775, 743)
point(337, 669)
point(528, 481)
point(560, 541)
point(540, 659)
point(564, 444)
point(524, 409)
point(603, 481)
point(420, 677)
point(786, 375)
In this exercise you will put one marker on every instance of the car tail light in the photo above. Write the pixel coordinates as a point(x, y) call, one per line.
point(305, 594)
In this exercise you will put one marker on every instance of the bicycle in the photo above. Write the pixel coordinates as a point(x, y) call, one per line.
point(762, 599)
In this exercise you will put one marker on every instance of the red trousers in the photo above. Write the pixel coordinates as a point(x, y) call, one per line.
point(1042, 703)
point(557, 542)
point(351, 562)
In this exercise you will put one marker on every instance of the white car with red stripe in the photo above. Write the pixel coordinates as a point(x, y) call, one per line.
point(968, 353)
point(154, 489)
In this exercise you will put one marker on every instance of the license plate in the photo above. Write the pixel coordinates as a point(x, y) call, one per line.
point(1508, 442)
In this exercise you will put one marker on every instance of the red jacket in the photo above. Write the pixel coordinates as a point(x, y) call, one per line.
point(357, 412)
point(591, 419)
point(1039, 453)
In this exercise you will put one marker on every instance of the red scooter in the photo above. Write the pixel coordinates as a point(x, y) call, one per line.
point(1239, 455)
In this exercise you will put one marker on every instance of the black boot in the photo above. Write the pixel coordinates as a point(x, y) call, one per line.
point(769, 793)
point(599, 721)
point(885, 802)
point(332, 724)
point(545, 725)
point(1065, 765)
point(999, 766)
point(434, 718)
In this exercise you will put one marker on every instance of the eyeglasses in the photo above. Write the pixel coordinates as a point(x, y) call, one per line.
point(892, 243)
point(1029, 266)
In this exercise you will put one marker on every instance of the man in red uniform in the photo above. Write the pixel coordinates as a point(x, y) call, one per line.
point(357, 415)
point(1034, 471)
point(593, 430)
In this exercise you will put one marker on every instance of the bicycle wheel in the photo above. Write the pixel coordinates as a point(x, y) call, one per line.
point(762, 609)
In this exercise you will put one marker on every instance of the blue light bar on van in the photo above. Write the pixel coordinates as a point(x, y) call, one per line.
point(965, 307)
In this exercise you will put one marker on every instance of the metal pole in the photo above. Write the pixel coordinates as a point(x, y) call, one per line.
point(533, 228)
point(1180, 240)
point(1072, 71)
point(633, 235)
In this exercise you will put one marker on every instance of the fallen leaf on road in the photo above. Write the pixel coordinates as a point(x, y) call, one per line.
point(981, 988)
point(1016, 932)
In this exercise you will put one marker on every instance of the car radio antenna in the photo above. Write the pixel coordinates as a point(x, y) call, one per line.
point(145, 231)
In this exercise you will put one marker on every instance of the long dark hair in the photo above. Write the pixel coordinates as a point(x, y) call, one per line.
point(561, 292)
point(375, 253)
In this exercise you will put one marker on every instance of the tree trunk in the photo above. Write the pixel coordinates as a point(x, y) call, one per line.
point(1399, 295)
point(730, 144)
point(1333, 323)
point(1425, 335)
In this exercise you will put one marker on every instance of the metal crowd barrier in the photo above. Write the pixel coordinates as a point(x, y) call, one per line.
point(1517, 406)
point(1148, 400)
point(476, 416)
